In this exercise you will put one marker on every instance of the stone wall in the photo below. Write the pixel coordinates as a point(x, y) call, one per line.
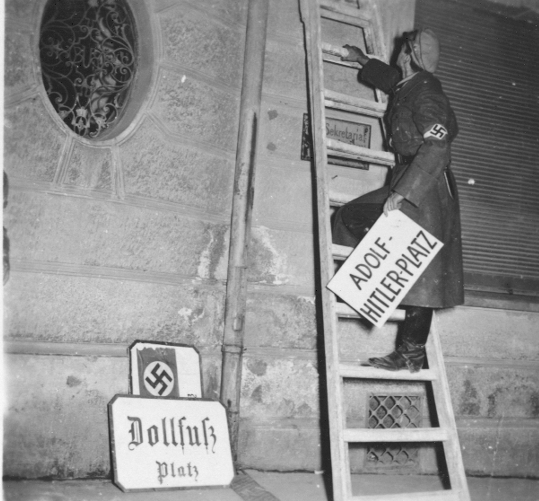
point(128, 238)
point(115, 240)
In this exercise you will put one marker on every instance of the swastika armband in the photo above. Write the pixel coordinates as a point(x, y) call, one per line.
point(437, 131)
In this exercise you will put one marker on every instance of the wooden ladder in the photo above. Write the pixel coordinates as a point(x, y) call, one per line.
point(365, 19)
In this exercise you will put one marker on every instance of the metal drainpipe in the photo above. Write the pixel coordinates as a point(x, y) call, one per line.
point(242, 205)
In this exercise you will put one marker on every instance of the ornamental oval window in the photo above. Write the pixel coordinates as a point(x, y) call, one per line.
point(88, 54)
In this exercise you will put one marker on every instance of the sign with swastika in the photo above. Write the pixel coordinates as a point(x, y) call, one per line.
point(164, 370)
point(158, 379)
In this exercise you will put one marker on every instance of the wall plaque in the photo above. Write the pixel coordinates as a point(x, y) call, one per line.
point(164, 370)
point(169, 443)
point(384, 266)
point(341, 130)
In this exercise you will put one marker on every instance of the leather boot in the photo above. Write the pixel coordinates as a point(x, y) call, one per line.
point(411, 352)
point(408, 355)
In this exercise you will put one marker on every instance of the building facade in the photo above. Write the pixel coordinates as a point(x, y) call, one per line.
point(126, 237)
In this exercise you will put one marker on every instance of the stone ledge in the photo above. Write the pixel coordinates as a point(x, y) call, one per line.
point(31, 347)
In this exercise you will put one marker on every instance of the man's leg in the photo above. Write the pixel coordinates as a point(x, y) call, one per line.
point(354, 220)
point(351, 224)
point(411, 352)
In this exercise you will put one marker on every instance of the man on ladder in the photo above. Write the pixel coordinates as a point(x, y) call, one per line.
point(422, 126)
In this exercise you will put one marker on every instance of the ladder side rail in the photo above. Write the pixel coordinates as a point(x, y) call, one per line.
point(341, 476)
point(446, 416)
point(373, 33)
point(378, 40)
point(382, 51)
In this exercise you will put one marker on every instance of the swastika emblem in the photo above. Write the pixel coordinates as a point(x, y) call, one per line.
point(437, 131)
point(158, 379)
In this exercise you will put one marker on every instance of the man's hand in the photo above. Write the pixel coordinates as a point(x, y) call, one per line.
point(393, 202)
point(355, 55)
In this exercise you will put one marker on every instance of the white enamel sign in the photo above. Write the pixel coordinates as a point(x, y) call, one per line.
point(384, 266)
point(164, 370)
point(166, 443)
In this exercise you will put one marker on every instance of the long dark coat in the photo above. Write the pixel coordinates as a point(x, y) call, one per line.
point(422, 126)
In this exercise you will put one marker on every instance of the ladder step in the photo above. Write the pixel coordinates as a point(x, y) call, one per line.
point(363, 435)
point(447, 495)
point(363, 372)
point(361, 15)
point(341, 251)
point(337, 52)
point(337, 199)
point(365, 154)
point(345, 311)
point(353, 104)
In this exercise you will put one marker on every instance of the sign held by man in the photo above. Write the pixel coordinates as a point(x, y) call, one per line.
point(384, 266)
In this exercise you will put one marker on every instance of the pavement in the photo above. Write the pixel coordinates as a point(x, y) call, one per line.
point(253, 485)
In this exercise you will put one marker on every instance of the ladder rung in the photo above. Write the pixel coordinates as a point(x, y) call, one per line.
point(365, 154)
point(337, 199)
point(341, 251)
point(363, 372)
point(338, 51)
point(447, 495)
point(345, 311)
point(335, 50)
point(351, 19)
point(354, 104)
point(363, 435)
point(339, 7)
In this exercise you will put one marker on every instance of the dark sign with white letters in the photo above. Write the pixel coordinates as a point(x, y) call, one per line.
point(342, 130)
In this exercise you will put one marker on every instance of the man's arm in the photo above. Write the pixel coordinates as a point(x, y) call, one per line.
point(384, 77)
point(355, 55)
point(393, 202)
point(374, 72)
point(431, 114)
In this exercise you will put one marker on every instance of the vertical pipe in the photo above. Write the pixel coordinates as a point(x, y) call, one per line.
point(242, 205)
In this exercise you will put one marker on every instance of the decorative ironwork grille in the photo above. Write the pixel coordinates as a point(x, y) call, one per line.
point(394, 411)
point(88, 61)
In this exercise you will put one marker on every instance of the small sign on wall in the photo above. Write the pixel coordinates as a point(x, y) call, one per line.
point(341, 130)
point(164, 370)
point(168, 443)
point(384, 266)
